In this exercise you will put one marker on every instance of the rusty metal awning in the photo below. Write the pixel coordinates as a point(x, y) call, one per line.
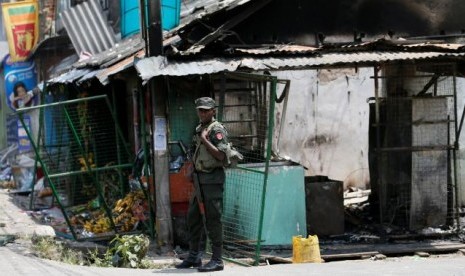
point(160, 66)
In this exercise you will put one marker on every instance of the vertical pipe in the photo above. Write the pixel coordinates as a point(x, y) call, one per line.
point(454, 152)
point(381, 193)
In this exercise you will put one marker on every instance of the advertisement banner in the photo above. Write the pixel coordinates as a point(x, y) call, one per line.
point(21, 21)
point(16, 73)
point(24, 144)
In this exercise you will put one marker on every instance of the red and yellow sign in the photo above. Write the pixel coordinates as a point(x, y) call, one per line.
point(21, 20)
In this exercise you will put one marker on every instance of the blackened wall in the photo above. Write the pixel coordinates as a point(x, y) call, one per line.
point(299, 21)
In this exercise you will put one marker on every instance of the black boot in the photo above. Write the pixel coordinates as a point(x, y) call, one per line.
point(215, 264)
point(212, 265)
point(194, 259)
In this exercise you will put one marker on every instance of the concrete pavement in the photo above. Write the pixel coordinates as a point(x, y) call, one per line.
point(14, 220)
point(16, 258)
point(12, 263)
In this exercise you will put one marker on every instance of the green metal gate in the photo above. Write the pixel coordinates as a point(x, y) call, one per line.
point(85, 161)
point(246, 105)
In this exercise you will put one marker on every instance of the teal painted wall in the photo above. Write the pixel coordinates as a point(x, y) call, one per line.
point(130, 16)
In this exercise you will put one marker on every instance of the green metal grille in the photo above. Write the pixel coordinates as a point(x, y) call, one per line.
point(86, 164)
point(246, 108)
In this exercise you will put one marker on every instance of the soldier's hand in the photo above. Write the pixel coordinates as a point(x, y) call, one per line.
point(204, 134)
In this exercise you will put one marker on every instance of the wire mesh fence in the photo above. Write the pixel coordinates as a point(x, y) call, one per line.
point(415, 130)
point(86, 164)
point(246, 108)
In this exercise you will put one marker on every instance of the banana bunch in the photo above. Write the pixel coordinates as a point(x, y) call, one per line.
point(87, 163)
point(125, 222)
point(126, 215)
point(100, 225)
point(125, 204)
point(125, 218)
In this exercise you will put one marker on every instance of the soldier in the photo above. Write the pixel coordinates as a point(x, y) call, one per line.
point(211, 144)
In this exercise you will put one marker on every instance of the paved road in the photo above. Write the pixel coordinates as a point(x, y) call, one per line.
point(13, 263)
point(17, 260)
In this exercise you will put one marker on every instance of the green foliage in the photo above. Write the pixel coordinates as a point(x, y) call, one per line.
point(126, 251)
point(129, 250)
point(96, 260)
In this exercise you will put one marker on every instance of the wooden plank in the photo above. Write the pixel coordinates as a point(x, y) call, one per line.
point(425, 248)
point(349, 255)
point(389, 249)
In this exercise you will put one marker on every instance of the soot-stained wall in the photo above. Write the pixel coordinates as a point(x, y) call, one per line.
point(299, 21)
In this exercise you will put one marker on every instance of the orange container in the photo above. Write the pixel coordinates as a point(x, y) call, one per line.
point(181, 186)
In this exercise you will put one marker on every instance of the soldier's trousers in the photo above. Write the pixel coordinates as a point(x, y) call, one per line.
point(213, 201)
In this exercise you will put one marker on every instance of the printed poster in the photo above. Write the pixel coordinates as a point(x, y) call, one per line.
point(19, 72)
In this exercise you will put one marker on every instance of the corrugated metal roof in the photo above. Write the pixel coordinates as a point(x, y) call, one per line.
point(87, 28)
point(88, 76)
point(160, 66)
point(70, 76)
point(150, 67)
point(102, 75)
point(441, 46)
point(85, 74)
point(288, 49)
point(193, 10)
point(117, 52)
point(400, 44)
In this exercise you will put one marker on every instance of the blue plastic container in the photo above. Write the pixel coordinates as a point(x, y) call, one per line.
point(130, 15)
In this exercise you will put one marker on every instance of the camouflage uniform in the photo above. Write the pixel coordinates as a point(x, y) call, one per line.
point(211, 176)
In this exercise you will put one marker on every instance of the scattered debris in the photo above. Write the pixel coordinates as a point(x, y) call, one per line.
point(422, 254)
point(4, 239)
point(355, 195)
point(379, 257)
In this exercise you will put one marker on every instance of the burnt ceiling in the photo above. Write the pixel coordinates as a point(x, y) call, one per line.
point(299, 21)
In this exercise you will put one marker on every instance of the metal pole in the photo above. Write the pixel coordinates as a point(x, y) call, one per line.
point(155, 33)
point(143, 24)
point(160, 156)
point(25, 109)
point(146, 163)
point(454, 153)
point(378, 145)
point(267, 164)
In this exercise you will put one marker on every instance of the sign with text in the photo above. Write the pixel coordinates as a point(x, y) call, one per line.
point(15, 72)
